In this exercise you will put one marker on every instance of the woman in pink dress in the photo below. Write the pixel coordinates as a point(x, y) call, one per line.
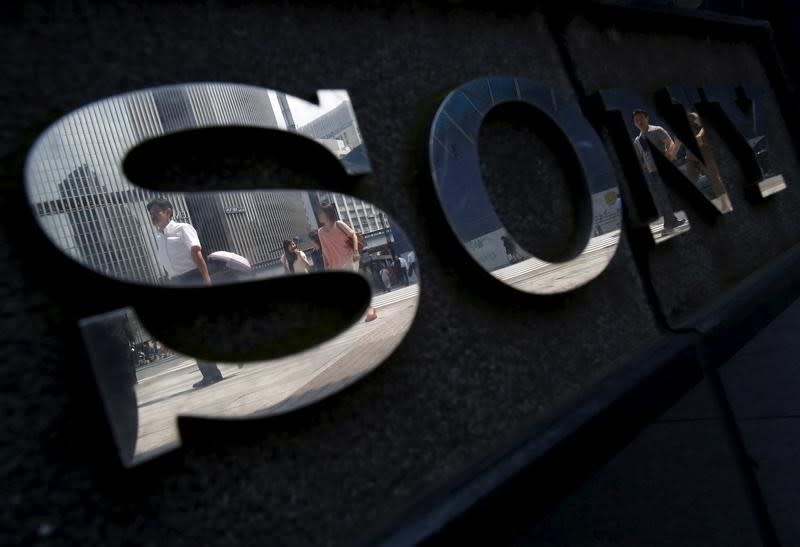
point(339, 245)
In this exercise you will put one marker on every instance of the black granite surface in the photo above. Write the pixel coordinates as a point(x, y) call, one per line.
point(481, 365)
point(762, 383)
point(677, 483)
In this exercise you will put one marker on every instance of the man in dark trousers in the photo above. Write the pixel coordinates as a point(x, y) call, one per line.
point(401, 267)
point(654, 139)
point(180, 254)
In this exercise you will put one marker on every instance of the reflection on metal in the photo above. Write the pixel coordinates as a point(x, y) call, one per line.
point(771, 185)
point(143, 396)
point(97, 217)
point(743, 108)
point(539, 277)
point(662, 233)
point(699, 163)
point(455, 169)
point(94, 214)
point(656, 147)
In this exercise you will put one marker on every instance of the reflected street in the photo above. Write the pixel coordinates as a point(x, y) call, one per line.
point(551, 278)
point(87, 206)
point(268, 387)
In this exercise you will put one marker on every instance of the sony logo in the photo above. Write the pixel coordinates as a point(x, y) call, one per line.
point(89, 209)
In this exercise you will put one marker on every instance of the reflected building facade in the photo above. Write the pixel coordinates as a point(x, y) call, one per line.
point(83, 200)
point(104, 230)
point(104, 226)
point(337, 130)
point(336, 124)
point(245, 214)
point(360, 215)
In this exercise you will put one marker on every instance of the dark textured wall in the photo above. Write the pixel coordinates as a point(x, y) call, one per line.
point(482, 364)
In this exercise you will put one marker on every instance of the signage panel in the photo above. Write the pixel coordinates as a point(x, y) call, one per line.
point(483, 367)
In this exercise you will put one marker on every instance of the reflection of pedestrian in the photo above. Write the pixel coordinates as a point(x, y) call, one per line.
point(695, 169)
point(133, 357)
point(294, 260)
point(180, 254)
point(339, 245)
point(315, 254)
point(338, 240)
point(387, 282)
point(655, 137)
point(149, 352)
point(401, 266)
point(412, 263)
point(511, 249)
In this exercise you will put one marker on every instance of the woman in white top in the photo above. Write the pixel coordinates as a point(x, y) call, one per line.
point(294, 260)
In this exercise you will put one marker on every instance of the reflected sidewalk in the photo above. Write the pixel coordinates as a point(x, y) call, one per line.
point(272, 386)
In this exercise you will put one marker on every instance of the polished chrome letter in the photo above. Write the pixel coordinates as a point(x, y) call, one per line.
point(455, 168)
point(91, 211)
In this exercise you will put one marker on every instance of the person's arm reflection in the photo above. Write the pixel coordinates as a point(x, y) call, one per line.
point(197, 256)
point(673, 148)
point(303, 260)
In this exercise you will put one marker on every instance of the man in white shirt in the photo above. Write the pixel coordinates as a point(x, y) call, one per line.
point(653, 137)
point(412, 263)
point(402, 269)
point(180, 254)
point(179, 250)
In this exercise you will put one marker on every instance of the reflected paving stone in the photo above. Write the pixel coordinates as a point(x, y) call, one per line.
point(774, 446)
point(693, 269)
point(763, 379)
point(677, 483)
point(263, 388)
point(762, 382)
point(697, 404)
